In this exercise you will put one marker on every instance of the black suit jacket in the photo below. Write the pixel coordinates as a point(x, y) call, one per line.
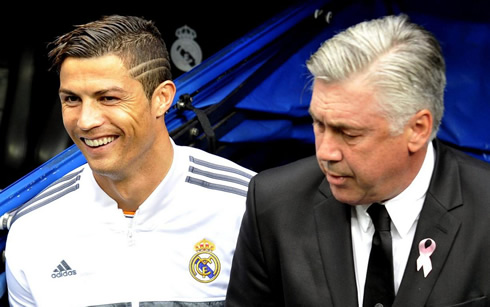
point(295, 246)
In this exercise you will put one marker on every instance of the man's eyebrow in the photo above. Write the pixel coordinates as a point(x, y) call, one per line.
point(97, 93)
point(66, 92)
point(110, 89)
point(340, 126)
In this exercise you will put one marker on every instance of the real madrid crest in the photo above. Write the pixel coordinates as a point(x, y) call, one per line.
point(185, 52)
point(204, 265)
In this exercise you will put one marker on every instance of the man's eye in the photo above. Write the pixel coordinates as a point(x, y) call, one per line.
point(70, 100)
point(318, 124)
point(109, 99)
point(350, 135)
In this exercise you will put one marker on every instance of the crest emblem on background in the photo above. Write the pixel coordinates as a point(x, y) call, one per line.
point(204, 265)
point(185, 52)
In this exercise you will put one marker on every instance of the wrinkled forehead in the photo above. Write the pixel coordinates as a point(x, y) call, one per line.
point(95, 74)
point(352, 96)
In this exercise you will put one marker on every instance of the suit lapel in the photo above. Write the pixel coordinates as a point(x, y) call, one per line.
point(334, 238)
point(435, 222)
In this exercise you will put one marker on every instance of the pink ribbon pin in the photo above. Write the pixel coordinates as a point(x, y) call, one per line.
point(426, 248)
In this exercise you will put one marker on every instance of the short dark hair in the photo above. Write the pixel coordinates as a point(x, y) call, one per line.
point(135, 40)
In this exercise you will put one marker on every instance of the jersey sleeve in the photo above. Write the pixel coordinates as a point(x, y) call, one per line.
point(19, 293)
point(18, 289)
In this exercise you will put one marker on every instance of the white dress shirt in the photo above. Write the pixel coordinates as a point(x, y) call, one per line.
point(404, 211)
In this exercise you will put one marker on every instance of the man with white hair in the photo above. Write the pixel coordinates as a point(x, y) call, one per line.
point(385, 214)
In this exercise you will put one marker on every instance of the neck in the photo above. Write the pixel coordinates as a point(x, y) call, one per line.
point(416, 162)
point(132, 189)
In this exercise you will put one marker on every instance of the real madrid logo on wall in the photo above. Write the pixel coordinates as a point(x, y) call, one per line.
point(204, 265)
point(185, 52)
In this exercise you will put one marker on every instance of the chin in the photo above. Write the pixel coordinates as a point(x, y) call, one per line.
point(102, 170)
point(341, 197)
point(346, 197)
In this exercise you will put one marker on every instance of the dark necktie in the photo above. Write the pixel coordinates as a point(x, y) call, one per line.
point(379, 289)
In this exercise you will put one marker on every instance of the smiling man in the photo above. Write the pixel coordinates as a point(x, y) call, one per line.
point(107, 114)
point(144, 222)
point(384, 214)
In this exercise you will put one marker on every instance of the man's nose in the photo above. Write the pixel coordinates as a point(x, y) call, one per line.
point(328, 146)
point(90, 115)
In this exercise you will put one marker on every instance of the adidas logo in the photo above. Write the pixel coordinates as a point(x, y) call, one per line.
point(62, 270)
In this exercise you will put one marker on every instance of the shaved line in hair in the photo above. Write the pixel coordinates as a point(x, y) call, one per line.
point(145, 73)
point(147, 67)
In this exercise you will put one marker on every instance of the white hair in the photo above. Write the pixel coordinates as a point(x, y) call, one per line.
point(401, 60)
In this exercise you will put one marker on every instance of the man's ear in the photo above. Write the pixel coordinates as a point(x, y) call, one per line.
point(163, 96)
point(420, 129)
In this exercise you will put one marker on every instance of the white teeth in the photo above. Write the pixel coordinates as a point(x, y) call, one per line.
point(98, 142)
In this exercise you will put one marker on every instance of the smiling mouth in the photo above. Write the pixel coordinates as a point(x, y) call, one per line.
point(98, 142)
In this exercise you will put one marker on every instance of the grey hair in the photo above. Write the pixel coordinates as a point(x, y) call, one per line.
point(401, 60)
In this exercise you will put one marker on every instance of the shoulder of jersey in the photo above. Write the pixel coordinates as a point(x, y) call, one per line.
point(217, 173)
point(56, 190)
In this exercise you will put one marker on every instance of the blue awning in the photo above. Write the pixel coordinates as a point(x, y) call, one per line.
point(269, 63)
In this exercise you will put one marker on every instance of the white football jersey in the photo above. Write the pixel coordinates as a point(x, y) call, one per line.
point(72, 246)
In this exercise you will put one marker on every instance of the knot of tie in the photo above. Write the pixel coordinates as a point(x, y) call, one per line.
point(379, 215)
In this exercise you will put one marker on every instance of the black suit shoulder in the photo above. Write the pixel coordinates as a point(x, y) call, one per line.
point(464, 158)
point(474, 173)
point(297, 176)
point(286, 190)
point(460, 185)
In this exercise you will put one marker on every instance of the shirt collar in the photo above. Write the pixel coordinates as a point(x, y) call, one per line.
point(404, 209)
